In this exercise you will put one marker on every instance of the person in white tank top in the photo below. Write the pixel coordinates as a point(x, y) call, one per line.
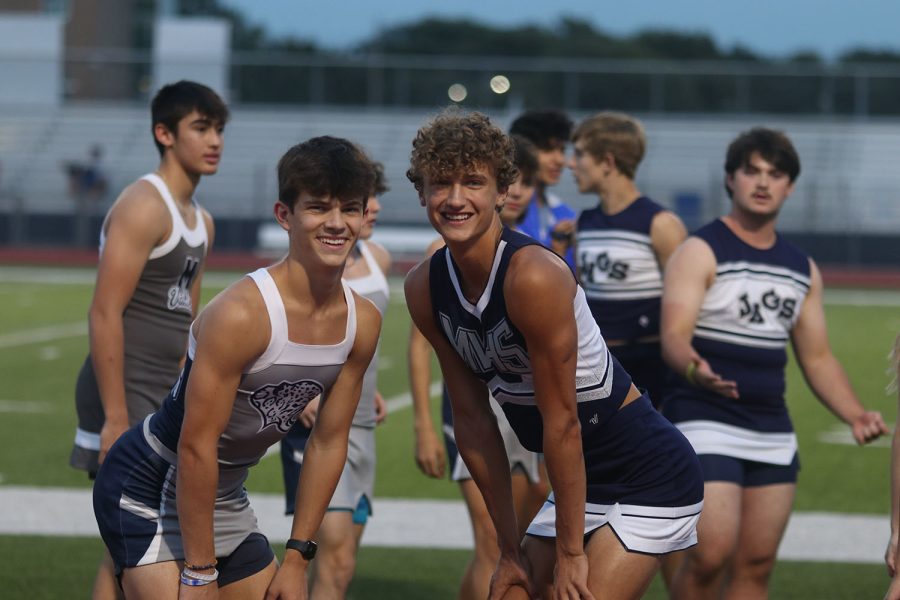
point(323, 187)
point(342, 527)
point(145, 222)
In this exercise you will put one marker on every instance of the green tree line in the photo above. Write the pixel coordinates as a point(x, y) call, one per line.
point(570, 63)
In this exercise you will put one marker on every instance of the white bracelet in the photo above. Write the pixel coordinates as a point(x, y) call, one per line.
point(193, 578)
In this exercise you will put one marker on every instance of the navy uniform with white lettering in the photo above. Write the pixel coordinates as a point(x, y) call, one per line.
point(642, 476)
point(622, 281)
point(742, 330)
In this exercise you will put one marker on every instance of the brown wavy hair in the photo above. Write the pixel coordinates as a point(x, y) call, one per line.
point(454, 142)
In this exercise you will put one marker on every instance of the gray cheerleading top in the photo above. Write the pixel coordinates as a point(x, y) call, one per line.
point(374, 287)
point(272, 392)
point(155, 328)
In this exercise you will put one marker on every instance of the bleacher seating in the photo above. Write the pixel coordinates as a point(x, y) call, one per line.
point(849, 182)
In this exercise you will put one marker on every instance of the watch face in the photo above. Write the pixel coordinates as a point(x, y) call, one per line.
point(306, 548)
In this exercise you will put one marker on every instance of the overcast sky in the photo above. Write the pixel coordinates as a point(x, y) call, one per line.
point(769, 27)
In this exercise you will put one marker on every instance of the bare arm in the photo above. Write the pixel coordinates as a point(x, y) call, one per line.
point(326, 451)
point(430, 455)
point(667, 232)
point(547, 321)
point(215, 374)
point(136, 224)
point(824, 373)
point(688, 275)
point(475, 427)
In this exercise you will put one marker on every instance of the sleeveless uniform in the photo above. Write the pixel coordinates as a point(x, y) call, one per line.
point(520, 459)
point(155, 326)
point(623, 285)
point(134, 495)
point(742, 331)
point(355, 489)
point(642, 477)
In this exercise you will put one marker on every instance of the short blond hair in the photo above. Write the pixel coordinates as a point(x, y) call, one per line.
point(616, 133)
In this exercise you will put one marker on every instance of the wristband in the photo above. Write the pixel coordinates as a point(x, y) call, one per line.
point(194, 579)
point(689, 372)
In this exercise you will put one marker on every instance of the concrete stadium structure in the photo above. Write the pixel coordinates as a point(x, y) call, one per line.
point(849, 189)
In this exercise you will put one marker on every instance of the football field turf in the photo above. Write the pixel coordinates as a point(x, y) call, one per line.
point(43, 342)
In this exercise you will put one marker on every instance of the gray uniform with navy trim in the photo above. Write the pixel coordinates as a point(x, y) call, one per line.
point(134, 495)
point(155, 327)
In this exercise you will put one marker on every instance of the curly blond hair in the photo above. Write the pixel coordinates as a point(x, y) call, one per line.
point(455, 142)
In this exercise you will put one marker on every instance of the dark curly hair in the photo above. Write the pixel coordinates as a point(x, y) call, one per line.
point(454, 142)
point(325, 166)
point(546, 128)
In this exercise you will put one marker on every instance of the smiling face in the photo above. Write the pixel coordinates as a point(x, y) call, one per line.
point(322, 227)
point(196, 144)
point(758, 187)
point(462, 206)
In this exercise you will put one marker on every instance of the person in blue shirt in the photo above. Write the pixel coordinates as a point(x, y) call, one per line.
point(548, 219)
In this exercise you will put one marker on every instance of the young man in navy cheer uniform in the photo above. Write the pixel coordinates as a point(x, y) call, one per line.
point(503, 313)
point(734, 294)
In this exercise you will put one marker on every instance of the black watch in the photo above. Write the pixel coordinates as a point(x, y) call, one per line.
point(306, 548)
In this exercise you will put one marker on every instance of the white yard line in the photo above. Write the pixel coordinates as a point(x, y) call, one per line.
point(31, 407)
point(813, 536)
point(43, 334)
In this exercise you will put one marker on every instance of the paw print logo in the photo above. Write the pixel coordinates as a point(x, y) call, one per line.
point(280, 404)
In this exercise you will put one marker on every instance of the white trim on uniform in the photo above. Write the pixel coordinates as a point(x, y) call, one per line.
point(87, 440)
point(712, 437)
point(650, 529)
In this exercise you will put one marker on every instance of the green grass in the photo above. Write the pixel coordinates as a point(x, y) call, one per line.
point(35, 448)
point(388, 573)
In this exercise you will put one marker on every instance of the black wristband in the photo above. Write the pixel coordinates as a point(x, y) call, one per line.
point(306, 548)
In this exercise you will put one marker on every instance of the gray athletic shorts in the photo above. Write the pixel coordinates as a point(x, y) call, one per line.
point(357, 483)
point(520, 459)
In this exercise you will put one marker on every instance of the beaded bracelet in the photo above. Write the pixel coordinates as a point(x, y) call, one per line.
point(212, 565)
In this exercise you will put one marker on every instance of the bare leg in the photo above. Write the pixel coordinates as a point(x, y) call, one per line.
point(615, 573)
point(705, 565)
point(477, 577)
point(338, 538)
point(530, 500)
point(670, 564)
point(158, 581)
point(764, 518)
point(105, 585)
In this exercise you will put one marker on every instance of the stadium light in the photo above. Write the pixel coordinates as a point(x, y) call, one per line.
point(500, 84)
point(457, 92)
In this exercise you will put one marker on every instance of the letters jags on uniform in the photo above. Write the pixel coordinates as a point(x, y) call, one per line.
point(280, 404)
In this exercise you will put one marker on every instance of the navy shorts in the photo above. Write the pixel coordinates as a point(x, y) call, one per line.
point(134, 506)
point(747, 473)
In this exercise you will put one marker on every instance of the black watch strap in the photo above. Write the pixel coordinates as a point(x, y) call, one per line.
point(306, 548)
